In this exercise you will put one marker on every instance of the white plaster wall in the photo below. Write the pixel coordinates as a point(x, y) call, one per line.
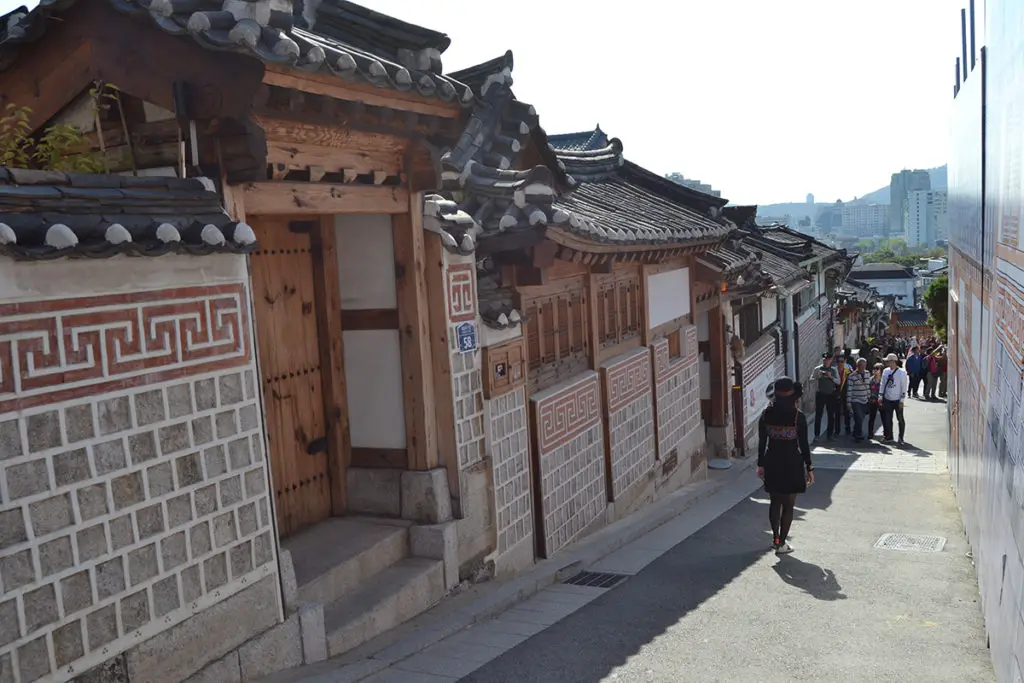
point(903, 288)
point(57, 279)
point(373, 378)
point(769, 310)
point(668, 296)
point(366, 261)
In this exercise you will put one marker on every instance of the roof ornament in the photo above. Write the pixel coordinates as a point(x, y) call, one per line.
point(167, 233)
point(7, 235)
point(117, 234)
point(60, 236)
point(244, 234)
point(212, 235)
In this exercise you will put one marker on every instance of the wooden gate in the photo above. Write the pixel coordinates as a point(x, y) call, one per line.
point(284, 298)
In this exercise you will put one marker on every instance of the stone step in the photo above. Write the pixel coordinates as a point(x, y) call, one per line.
point(336, 557)
point(393, 597)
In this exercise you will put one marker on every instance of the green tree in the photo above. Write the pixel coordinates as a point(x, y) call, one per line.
point(865, 245)
point(60, 147)
point(936, 301)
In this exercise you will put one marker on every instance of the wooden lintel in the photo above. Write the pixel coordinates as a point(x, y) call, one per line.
point(369, 319)
point(358, 158)
point(603, 268)
point(414, 335)
point(379, 458)
point(323, 198)
point(544, 254)
point(332, 358)
point(333, 86)
point(528, 276)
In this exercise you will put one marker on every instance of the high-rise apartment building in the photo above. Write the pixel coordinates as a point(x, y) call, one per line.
point(900, 185)
point(693, 184)
point(924, 217)
point(865, 220)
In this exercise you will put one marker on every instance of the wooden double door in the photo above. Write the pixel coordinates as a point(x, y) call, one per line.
point(295, 297)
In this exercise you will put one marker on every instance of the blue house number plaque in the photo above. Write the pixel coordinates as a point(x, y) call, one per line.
point(466, 334)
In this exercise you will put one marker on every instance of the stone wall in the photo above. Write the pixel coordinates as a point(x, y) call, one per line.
point(677, 397)
point(569, 458)
point(133, 482)
point(510, 457)
point(629, 411)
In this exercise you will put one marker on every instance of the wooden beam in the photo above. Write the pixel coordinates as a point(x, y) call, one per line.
point(441, 360)
point(332, 359)
point(301, 145)
point(414, 335)
point(369, 319)
point(593, 301)
point(380, 458)
point(333, 86)
point(272, 197)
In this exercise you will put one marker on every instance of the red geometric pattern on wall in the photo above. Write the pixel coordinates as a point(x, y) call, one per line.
point(57, 350)
point(758, 360)
point(627, 380)
point(461, 293)
point(567, 413)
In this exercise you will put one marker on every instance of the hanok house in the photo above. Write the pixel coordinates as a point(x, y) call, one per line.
point(857, 306)
point(134, 517)
point(910, 322)
point(805, 299)
point(589, 360)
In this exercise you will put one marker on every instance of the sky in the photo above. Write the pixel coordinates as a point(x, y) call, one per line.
point(766, 101)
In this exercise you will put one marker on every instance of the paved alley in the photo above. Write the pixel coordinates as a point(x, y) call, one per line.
point(703, 600)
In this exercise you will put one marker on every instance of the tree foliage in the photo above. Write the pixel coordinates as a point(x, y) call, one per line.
point(889, 256)
point(936, 300)
point(60, 147)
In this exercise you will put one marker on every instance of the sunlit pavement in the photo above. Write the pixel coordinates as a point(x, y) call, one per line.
point(705, 601)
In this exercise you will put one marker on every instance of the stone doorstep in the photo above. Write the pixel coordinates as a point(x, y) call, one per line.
point(336, 557)
point(485, 600)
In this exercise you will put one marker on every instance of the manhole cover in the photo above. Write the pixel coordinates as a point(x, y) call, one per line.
point(911, 542)
point(595, 579)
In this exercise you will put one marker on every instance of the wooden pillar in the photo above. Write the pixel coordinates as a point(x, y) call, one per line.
point(414, 335)
point(440, 351)
point(332, 359)
point(720, 387)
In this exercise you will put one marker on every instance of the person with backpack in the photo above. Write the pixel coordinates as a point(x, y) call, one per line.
point(858, 396)
point(894, 387)
point(913, 366)
point(783, 460)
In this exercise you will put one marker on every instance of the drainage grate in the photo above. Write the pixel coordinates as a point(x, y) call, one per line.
point(595, 579)
point(911, 542)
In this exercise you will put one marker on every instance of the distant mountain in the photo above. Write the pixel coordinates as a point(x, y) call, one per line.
point(801, 210)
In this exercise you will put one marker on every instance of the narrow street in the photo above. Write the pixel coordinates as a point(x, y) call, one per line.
point(712, 604)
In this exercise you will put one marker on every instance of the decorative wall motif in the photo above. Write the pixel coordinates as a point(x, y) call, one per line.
point(510, 457)
point(569, 459)
point(630, 415)
point(461, 292)
point(569, 412)
point(627, 379)
point(677, 397)
point(467, 393)
point(126, 511)
point(63, 349)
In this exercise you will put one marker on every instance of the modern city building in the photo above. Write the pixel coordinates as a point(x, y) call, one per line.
point(900, 185)
point(677, 177)
point(925, 217)
point(864, 220)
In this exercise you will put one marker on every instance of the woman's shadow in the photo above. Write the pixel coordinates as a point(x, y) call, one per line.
point(817, 581)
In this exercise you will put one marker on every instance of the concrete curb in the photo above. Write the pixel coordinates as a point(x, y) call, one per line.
point(486, 600)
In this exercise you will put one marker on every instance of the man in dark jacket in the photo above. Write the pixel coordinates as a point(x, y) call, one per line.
point(826, 382)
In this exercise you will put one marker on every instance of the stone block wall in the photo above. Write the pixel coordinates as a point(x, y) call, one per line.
point(510, 457)
point(569, 458)
point(677, 397)
point(629, 411)
point(133, 481)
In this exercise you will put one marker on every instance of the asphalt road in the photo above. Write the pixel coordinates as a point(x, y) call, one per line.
point(719, 607)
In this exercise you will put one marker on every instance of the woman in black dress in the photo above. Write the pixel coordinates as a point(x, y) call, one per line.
point(783, 459)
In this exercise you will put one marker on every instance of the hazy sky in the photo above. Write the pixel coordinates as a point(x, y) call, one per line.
point(767, 101)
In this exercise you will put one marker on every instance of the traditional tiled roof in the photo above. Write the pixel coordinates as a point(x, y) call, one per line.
point(331, 36)
point(742, 216)
point(729, 257)
point(619, 202)
point(47, 214)
point(882, 271)
point(584, 141)
point(794, 246)
point(914, 317)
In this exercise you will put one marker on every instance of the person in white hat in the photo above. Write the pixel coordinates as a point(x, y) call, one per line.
point(895, 384)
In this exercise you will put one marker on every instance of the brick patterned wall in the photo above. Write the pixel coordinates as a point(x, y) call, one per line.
point(677, 394)
point(133, 483)
point(630, 416)
point(467, 388)
point(569, 456)
point(510, 456)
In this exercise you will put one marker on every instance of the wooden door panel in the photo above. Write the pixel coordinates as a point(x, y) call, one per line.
point(289, 356)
